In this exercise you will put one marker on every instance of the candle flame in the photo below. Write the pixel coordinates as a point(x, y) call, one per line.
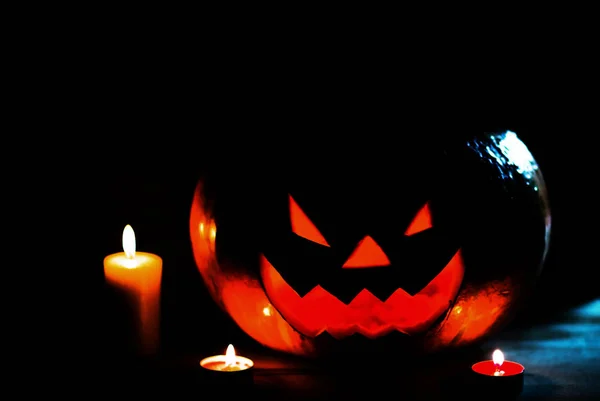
point(230, 356)
point(498, 358)
point(129, 242)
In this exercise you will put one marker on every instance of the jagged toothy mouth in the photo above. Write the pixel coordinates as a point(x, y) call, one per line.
point(319, 311)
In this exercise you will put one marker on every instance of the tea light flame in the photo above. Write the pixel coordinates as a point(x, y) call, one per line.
point(129, 242)
point(230, 356)
point(498, 358)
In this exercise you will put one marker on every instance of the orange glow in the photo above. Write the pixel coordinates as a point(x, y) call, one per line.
point(242, 296)
point(202, 246)
point(302, 226)
point(477, 310)
point(320, 311)
point(244, 301)
point(367, 254)
point(422, 221)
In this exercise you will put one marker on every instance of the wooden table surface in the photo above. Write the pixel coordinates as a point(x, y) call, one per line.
point(561, 358)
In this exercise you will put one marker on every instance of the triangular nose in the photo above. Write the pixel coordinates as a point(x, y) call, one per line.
point(366, 254)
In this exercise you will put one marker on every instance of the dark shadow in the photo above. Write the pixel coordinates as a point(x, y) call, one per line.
point(441, 377)
point(539, 387)
point(545, 310)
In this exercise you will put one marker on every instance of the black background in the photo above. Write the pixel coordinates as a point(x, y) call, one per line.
point(116, 130)
point(151, 187)
point(136, 151)
point(136, 138)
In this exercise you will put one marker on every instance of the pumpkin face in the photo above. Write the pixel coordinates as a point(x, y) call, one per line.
point(432, 248)
point(365, 294)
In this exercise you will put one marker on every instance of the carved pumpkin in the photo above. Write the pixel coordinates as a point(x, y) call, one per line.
point(432, 248)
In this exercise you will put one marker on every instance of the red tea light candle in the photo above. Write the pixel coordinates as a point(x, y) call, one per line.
point(499, 378)
point(229, 368)
point(498, 366)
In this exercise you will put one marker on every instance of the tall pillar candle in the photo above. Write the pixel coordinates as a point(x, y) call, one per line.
point(137, 276)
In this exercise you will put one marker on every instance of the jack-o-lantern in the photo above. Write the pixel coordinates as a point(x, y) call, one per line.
point(422, 249)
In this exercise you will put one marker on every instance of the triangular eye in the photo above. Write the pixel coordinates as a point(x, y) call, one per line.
point(421, 222)
point(302, 226)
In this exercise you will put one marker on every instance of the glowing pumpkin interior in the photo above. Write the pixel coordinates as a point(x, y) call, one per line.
point(320, 311)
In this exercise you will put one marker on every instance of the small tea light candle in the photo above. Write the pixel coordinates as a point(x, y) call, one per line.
point(499, 378)
point(498, 366)
point(229, 368)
